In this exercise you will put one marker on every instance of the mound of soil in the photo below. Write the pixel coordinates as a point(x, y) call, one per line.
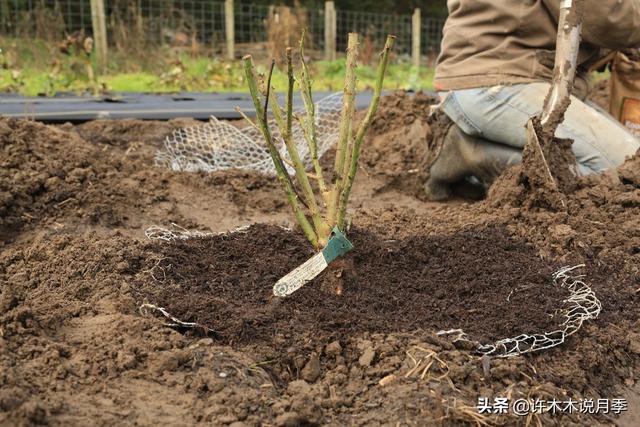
point(401, 109)
point(51, 177)
point(599, 221)
point(73, 347)
point(48, 173)
point(129, 131)
point(547, 173)
point(482, 281)
point(397, 144)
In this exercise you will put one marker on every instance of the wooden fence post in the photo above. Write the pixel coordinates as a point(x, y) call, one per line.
point(330, 25)
point(229, 26)
point(416, 27)
point(5, 23)
point(98, 22)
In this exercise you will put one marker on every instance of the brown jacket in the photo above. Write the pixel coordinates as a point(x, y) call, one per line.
point(492, 42)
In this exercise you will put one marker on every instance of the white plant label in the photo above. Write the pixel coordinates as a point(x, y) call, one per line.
point(300, 276)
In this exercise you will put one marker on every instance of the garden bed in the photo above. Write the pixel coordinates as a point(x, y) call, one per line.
point(75, 268)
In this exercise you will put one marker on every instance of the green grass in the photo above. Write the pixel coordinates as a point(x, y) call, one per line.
point(37, 68)
point(132, 82)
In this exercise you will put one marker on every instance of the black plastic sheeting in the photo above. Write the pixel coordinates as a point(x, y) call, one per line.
point(80, 108)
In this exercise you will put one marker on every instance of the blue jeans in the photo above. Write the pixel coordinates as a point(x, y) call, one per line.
point(500, 114)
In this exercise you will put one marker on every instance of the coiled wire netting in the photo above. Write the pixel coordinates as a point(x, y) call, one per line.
point(581, 305)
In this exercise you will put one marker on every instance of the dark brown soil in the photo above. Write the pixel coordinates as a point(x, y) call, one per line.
point(130, 132)
point(598, 222)
point(75, 265)
point(398, 141)
point(547, 173)
point(401, 110)
point(482, 281)
point(48, 173)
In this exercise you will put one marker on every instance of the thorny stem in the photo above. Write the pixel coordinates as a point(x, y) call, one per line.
point(322, 229)
point(309, 126)
point(246, 118)
point(289, 91)
point(268, 90)
point(278, 115)
point(345, 191)
point(281, 171)
point(277, 109)
point(348, 104)
point(345, 131)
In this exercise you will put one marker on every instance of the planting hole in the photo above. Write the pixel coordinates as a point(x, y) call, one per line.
point(482, 281)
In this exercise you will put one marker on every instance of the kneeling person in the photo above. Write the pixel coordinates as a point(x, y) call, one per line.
point(494, 71)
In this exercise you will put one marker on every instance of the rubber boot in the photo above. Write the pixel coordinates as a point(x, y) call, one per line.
point(463, 156)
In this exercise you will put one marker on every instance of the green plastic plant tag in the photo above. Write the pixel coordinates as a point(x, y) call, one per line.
point(337, 246)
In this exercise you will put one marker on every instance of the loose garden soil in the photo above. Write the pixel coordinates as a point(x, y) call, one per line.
point(75, 267)
point(461, 280)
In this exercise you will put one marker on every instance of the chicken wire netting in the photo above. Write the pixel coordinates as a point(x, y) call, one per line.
point(581, 305)
point(218, 145)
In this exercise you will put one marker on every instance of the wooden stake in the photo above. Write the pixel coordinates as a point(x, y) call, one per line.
point(229, 27)
point(330, 27)
point(98, 22)
point(416, 29)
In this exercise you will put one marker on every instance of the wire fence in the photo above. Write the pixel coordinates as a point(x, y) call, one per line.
point(375, 26)
point(173, 21)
